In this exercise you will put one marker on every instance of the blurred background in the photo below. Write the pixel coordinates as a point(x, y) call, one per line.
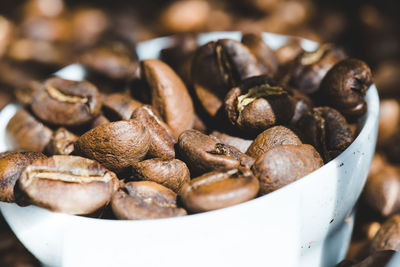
point(38, 37)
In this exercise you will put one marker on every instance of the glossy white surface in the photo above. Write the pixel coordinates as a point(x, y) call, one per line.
point(307, 223)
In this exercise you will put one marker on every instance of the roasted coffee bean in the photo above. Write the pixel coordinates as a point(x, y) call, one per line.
point(289, 52)
point(388, 236)
point(27, 133)
point(145, 200)
point(113, 59)
point(119, 106)
point(61, 143)
point(377, 259)
point(303, 105)
point(327, 130)
point(11, 165)
point(285, 164)
point(216, 190)
point(239, 143)
point(345, 85)
point(204, 154)
point(270, 138)
point(115, 145)
point(68, 184)
point(311, 67)
point(382, 190)
point(180, 55)
point(256, 105)
point(25, 93)
point(266, 57)
point(66, 103)
point(161, 139)
point(217, 67)
point(171, 173)
point(99, 120)
point(389, 120)
point(170, 97)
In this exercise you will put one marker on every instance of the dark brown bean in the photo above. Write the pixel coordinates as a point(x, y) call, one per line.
point(256, 105)
point(327, 130)
point(377, 259)
point(266, 57)
point(388, 236)
point(66, 103)
point(68, 184)
point(270, 138)
point(204, 154)
point(285, 164)
point(61, 143)
point(216, 190)
point(170, 97)
point(389, 120)
point(345, 86)
point(171, 173)
point(311, 67)
point(115, 145)
point(217, 67)
point(161, 139)
point(27, 133)
point(119, 106)
point(145, 200)
point(239, 143)
point(11, 165)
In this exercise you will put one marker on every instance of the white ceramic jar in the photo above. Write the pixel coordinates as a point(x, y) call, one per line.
point(307, 223)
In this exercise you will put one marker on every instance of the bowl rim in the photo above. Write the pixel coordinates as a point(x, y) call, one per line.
point(369, 120)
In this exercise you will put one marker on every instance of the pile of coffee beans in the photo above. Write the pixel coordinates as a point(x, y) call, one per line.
point(203, 128)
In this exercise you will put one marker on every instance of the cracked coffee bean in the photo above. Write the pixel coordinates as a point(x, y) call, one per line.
point(204, 154)
point(256, 105)
point(216, 190)
point(66, 103)
point(145, 200)
point(68, 184)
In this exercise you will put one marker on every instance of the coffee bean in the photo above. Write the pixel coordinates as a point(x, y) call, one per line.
point(145, 200)
point(26, 92)
point(62, 142)
point(275, 136)
point(171, 173)
point(66, 103)
point(388, 236)
point(170, 97)
point(345, 86)
point(239, 143)
point(11, 165)
point(161, 139)
point(119, 106)
point(327, 130)
point(216, 190)
point(266, 57)
point(68, 184)
point(389, 120)
point(25, 132)
point(256, 105)
point(217, 67)
point(285, 164)
point(115, 145)
point(204, 154)
point(311, 67)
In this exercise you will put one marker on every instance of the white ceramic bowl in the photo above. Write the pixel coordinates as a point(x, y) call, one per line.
point(307, 223)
